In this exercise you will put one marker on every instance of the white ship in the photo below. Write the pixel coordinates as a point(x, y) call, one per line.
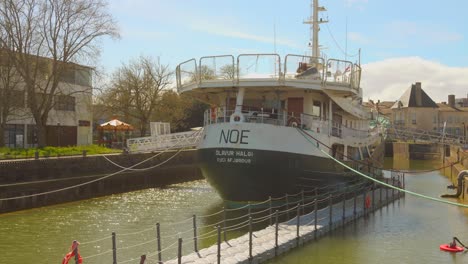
point(251, 147)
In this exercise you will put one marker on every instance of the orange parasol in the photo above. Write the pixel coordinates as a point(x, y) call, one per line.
point(116, 125)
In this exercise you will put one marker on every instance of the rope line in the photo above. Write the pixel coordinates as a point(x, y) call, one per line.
point(85, 183)
point(99, 254)
point(303, 133)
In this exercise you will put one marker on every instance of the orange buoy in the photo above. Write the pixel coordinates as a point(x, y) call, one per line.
point(368, 202)
point(451, 248)
point(71, 254)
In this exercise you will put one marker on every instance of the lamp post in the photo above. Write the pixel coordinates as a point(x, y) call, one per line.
point(464, 132)
point(58, 134)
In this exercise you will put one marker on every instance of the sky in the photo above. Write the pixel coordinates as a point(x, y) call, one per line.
point(401, 41)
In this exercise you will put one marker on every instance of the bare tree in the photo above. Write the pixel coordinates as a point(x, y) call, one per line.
point(12, 101)
point(228, 71)
point(136, 88)
point(46, 38)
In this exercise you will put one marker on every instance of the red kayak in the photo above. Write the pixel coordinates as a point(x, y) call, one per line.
point(447, 247)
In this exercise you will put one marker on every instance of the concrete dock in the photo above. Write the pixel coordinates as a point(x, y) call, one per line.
point(264, 241)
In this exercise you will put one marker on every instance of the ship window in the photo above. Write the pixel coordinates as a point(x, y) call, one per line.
point(353, 153)
point(316, 108)
point(365, 153)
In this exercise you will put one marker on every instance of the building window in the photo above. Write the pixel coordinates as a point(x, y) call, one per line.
point(64, 103)
point(14, 136)
point(32, 136)
point(413, 118)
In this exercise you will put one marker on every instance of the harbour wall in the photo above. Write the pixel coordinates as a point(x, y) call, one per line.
point(89, 177)
point(413, 151)
point(455, 159)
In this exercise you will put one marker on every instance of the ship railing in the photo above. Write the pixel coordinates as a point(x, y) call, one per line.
point(304, 69)
point(222, 115)
point(341, 73)
point(258, 67)
point(315, 124)
point(318, 125)
point(180, 140)
point(250, 68)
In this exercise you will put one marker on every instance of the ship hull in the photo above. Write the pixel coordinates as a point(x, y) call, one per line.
point(255, 175)
point(251, 162)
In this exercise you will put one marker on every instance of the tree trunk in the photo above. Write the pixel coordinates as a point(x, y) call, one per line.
point(41, 135)
point(2, 138)
point(142, 129)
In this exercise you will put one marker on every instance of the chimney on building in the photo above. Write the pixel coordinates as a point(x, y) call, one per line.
point(451, 100)
point(417, 88)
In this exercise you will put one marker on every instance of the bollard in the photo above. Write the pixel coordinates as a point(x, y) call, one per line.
point(250, 239)
point(269, 211)
point(344, 208)
point(75, 251)
point(158, 238)
point(84, 156)
point(404, 182)
point(373, 198)
point(224, 224)
point(331, 210)
point(219, 244)
point(386, 192)
point(393, 190)
point(142, 259)
point(364, 202)
point(114, 249)
point(195, 240)
point(287, 206)
point(355, 202)
point(380, 197)
point(179, 251)
point(36, 155)
point(276, 232)
point(302, 201)
point(315, 216)
point(298, 222)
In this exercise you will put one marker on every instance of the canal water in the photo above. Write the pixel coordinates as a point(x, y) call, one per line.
point(408, 231)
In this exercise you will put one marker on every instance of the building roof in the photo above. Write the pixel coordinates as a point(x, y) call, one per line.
point(415, 96)
point(384, 107)
point(443, 107)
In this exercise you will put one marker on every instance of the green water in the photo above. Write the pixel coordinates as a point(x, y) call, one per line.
point(406, 232)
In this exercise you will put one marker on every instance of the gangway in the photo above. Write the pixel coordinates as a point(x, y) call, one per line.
point(419, 135)
point(180, 140)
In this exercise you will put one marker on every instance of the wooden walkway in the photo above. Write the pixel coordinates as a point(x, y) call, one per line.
point(263, 241)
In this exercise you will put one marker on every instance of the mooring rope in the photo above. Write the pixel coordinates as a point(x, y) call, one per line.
point(180, 140)
point(380, 168)
point(88, 182)
point(303, 133)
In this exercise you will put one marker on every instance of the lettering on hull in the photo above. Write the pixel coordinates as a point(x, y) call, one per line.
point(234, 136)
point(234, 156)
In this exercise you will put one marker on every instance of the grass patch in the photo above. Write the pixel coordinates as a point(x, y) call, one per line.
point(19, 153)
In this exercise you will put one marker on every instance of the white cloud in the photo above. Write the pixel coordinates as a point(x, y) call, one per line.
point(358, 38)
point(232, 32)
point(388, 79)
point(427, 34)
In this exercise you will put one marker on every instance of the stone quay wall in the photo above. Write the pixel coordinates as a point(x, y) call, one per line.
point(28, 177)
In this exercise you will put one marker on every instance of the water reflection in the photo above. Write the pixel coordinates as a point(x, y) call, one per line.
point(408, 231)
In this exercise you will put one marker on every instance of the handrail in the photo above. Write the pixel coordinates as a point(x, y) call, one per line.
point(280, 72)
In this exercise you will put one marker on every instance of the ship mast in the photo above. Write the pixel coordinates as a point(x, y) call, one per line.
point(314, 21)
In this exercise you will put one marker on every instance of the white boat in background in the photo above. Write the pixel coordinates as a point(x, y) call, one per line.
point(251, 148)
